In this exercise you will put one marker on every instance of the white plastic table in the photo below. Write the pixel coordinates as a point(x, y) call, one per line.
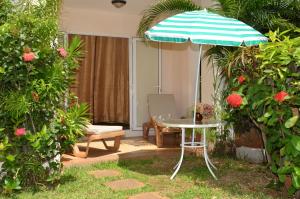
point(188, 123)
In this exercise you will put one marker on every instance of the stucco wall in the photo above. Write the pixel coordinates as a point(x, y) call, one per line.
point(93, 22)
point(178, 60)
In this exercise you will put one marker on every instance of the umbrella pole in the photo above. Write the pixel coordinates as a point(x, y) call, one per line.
point(196, 90)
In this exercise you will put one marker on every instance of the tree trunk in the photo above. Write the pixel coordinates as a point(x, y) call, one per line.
point(264, 137)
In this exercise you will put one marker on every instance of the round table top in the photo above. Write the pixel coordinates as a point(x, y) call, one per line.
point(188, 123)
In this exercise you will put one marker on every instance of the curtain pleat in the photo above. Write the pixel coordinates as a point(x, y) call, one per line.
point(84, 83)
point(111, 80)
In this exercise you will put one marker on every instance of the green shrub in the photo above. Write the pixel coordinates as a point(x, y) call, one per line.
point(270, 89)
point(36, 123)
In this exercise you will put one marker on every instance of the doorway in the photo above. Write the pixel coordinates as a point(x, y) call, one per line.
point(102, 80)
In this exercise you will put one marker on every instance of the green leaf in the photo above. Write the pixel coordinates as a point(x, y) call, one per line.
point(11, 184)
point(50, 142)
point(268, 114)
point(2, 146)
point(273, 168)
point(2, 70)
point(284, 170)
point(282, 151)
point(296, 142)
point(261, 119)
point(297, 170)
point(296, 181)
point(281, 177)
point(11, 158)
point(268, 71)
point(291, 122)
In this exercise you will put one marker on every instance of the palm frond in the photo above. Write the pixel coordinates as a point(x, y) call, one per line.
point(229, 8)
point(164, 9)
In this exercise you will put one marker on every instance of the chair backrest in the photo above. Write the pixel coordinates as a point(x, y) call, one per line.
point(162, 106)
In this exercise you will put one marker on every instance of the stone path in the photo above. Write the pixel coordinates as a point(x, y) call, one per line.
point(124, 184)
point(105, 173)
point(148, 195)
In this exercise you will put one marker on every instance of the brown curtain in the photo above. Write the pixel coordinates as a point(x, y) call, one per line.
point(102, 80)
point(111, 80)
point(84, 83)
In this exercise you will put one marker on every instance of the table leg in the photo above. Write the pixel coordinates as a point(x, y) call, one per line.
point(211, 164)
point(176, 166)
point(207, 161)
point(182, 153)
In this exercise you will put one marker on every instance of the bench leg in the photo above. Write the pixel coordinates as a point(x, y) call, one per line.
point(78, 153)
point(159, 139)
point(145, 131)
point(117, 142)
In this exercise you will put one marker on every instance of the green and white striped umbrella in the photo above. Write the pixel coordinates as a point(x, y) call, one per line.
point(203, 27)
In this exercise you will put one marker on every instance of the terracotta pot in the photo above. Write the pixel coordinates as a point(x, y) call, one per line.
point(297, 195)
point(252, 139)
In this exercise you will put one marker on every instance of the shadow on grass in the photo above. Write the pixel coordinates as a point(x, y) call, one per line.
point(66, 178)
point(236, 178)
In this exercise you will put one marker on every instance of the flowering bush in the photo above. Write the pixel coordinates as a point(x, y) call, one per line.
point(36, 125)
point(271, 100)
point(206, 110)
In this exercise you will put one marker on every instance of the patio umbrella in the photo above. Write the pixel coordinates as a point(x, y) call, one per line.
point(204, 27)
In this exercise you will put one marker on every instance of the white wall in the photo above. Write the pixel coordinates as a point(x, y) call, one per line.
point(179, 63)
point(178, 60)
point(93, 22)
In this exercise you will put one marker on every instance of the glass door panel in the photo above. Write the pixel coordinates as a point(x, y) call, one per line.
point(146, 79)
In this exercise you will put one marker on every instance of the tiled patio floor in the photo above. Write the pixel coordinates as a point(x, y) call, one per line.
point(136, 147)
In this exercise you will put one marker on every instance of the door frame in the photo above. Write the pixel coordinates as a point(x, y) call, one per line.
point(132, 78)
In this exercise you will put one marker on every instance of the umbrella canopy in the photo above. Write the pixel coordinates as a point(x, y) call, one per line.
point(203, 27)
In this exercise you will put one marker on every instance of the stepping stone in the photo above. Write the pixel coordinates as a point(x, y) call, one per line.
point(125, 184)
point(149, 195)
point(105, 173)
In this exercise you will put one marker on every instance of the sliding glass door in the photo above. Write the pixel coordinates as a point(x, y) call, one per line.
point(146, 79)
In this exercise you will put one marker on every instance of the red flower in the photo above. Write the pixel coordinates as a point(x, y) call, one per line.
point(28, 57)
point(234, 100)
point(20, 132)
point(62, 52)
point(241, 79)
point(280, 97)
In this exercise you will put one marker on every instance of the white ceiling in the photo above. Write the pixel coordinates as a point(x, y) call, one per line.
point(131, 7)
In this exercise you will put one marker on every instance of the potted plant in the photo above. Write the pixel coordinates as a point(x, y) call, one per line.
point(248, 141)
point(203, 112)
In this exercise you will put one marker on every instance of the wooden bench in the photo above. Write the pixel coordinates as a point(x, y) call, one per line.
point(101, 132)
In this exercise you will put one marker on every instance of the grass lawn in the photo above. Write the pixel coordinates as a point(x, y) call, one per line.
point(236, 180)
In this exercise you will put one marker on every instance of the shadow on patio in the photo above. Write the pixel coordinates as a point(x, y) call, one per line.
point(130, 148)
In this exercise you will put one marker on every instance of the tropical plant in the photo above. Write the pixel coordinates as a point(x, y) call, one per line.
point(163, 9)
point(261, 14)
point(37, 123)
point(265, 88)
